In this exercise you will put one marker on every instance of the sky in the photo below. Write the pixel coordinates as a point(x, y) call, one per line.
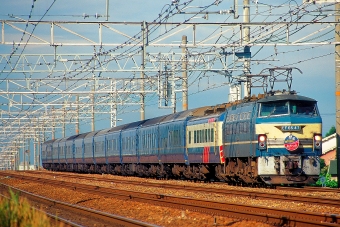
point(316, 62)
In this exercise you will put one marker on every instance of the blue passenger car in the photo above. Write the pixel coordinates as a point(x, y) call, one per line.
point(88, 154)
point(172, 139)
point(47, 153)
point(148, 141)
point(100, 149)
point(113, 145)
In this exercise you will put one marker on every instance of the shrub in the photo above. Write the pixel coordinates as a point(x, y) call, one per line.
point(17, 212)
point(328, 183)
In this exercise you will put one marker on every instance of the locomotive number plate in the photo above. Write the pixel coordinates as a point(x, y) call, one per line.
point(291, 128)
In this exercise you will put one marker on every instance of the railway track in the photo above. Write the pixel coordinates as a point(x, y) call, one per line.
point(234, 192)
point(257, 213)
point(310, 189)
point(285, 188)
point(79, 215)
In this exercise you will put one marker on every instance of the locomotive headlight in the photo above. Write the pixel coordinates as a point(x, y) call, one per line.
point(317, 137)
point(262, 141)
point(262, 138)
point(317, 141)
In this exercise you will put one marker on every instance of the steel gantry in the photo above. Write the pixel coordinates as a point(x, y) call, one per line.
point(79, 71)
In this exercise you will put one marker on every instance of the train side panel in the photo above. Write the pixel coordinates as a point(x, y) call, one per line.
point(47, 154)
point(79, 147)
point(88, 155)
point(113, 147)
point(172, 142)
point(204, 140)
point(100, 148)
point(128, 148)
point(239, 139)
point(148, 144)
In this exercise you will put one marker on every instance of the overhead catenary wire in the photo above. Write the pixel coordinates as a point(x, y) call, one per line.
point(85, 70)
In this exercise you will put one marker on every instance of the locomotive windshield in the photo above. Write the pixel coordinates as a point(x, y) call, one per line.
point(288, 107)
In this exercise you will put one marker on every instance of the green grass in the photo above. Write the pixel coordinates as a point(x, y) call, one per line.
point(17, 212)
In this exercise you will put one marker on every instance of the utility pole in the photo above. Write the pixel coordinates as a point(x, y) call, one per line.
point(184, 74)
point(235, 90)
point(64, 119)
point(107, 10)
point(92, 109)
point(77, 115)
point(113, 109)
point(39, 152)
point(53, 124)
point(142, 74)
point(337, 87)
point(34, 152)
point(246, 39)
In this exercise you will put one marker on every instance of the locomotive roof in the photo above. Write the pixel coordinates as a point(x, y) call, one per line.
point(292, 97)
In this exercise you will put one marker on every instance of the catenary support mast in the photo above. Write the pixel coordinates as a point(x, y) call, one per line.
point(246, 38)
point(184, 74)
point(337, 87)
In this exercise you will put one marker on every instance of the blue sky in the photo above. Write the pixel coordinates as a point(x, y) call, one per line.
point(317, 64)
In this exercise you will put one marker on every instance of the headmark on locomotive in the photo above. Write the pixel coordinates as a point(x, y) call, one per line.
point(272, 139)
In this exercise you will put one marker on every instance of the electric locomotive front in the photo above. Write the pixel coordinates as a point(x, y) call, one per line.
point(288, 127)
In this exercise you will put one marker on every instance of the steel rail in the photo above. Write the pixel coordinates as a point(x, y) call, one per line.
point(113, 220)
point(234, 192)
point(310, 189)
point(257, 213)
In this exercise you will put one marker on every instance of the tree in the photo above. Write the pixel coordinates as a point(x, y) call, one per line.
point(331, 131)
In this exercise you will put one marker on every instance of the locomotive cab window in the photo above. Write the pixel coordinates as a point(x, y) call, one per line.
point(303, 108)
point(288, 107)
point(273, 108)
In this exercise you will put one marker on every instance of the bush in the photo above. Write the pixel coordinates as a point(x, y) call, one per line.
point(17, 212)
point(328, 183)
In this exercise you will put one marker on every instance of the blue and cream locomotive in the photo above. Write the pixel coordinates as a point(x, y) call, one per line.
point(272, 139)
